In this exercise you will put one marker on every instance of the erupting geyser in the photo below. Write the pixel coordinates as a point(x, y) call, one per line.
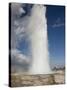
point(39, 41)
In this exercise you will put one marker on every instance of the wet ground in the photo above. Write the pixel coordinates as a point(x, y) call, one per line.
point(20, 80)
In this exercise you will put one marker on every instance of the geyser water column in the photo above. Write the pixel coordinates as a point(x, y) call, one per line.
point(39, 41)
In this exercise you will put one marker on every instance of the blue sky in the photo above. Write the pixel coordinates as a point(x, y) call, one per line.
point(56, 33)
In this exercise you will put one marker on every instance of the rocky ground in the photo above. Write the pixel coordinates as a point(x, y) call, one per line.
point(36, 80)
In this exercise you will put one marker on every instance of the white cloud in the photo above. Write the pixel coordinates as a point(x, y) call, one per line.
point(57, 25)
point(19, 61)
point(15, 53)
point(17, 9)
point(20, 30)
point(18, 25)
point(21, 10)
